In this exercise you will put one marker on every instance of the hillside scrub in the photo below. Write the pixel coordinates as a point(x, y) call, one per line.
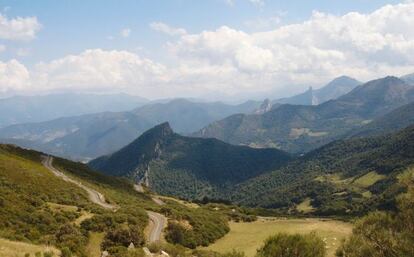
point(295, 245)
point(385, 234)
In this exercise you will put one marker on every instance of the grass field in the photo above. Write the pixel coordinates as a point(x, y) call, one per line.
point(368, 179)
point(248, 237)
point(93, 249)
point(305, 206)
point(18, 249)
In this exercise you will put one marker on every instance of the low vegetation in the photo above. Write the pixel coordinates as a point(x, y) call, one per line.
point(385, 234)
point(295, 245)
point(248, 237)
point(38, 207)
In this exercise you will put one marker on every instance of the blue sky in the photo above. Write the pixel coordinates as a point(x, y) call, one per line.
point(71, 26)
point(163, 34)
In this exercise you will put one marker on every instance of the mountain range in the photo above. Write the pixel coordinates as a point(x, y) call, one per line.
point(344, 176)
point(178, 165)
point(334, 89)
point(25, 109)
point(409, 78)
point(301, 128)
point(88, 136)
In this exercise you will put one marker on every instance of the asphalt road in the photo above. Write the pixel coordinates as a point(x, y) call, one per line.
point(94, 195)
point(158, 221)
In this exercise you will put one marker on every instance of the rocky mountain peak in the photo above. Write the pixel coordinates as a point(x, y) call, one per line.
point(264, 107)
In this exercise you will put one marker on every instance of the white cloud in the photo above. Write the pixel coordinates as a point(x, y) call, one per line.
point(165, 28)
point(14, 77)
point(126, 32)
point(97, 69)
point(230, 61)
point(19, 28)
point(2, 48)
point(361, 45)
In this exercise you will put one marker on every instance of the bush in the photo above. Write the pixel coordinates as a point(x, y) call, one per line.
point(234, 253)
point(293, 246)
point(124, 237)
point(385, 234)
point(48, 254)
point(66, 252)
point(155, 247)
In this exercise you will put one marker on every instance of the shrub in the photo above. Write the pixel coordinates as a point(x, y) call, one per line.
point(385, 234)
point(234, 253)
point(48, 254)
point(124, 237)
point(293, 246)
point(66, 252)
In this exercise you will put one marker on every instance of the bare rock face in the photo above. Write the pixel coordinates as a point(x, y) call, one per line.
point(264, 107)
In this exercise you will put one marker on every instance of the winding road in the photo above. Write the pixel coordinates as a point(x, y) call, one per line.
point(94, 195)
point(158, 220)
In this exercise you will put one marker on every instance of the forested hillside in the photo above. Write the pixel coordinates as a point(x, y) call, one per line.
point(41, 208)
point(344, 177)
point(188, 167)
point(298, 128)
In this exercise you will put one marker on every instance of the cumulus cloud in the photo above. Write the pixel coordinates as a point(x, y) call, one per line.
point(165, 28)
point(14, 77)
point(20, 28)
point(324, 46)
point(125, 32)
point(97, 69)
point(230, 61)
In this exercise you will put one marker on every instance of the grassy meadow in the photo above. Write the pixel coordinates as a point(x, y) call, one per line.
point(19, 249)
point(248, 237)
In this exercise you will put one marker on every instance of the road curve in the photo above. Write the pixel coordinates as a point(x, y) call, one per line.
point(159, 222)
point(94, 195)
point(157, 219)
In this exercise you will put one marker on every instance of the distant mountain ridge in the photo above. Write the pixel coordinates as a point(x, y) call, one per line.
point(345, 177)
point(395, 120)
point(174, 164)
point(409, 78)
point(300, 128)
point(334, 89)
point(88, 136)
point(25, 109)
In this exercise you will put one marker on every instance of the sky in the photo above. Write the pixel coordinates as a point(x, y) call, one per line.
point(211, 49)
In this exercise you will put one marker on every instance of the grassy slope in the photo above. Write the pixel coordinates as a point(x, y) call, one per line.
point(36, 204)
point(248, 237)
point(355, 169)
point(19, 249)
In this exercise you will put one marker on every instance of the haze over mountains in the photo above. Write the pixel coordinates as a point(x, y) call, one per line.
point(334, 89)
point(171, 163)
point(293, 128)
point(193, 168)
point(89, 136)
point(25, 109)
point(300, 128)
